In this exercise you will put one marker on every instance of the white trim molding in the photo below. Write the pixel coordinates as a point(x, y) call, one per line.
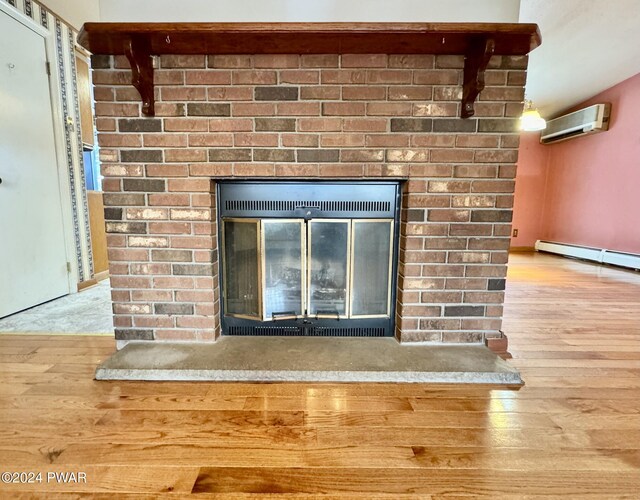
point(600, 255)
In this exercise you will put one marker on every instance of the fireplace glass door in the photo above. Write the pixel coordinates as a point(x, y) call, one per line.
point(284, 269)
point(371, 267)
point(328, 247)
point(282, 243)
point(242, 293)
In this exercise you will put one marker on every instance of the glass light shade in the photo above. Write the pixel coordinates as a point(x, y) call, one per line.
point(531, 121)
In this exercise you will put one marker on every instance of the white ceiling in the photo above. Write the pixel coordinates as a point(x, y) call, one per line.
point(587, 47)
point(500, 11)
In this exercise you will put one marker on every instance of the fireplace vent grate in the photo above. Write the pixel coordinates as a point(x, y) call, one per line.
point(300, 331)
point(348, 332)
point(325, 206)
point(287, 331)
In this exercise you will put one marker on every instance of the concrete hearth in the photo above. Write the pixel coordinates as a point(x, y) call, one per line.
point(308, 359)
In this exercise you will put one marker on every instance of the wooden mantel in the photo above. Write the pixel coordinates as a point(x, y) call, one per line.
point(477, 41)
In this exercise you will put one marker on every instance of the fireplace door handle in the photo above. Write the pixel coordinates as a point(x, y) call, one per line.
point(327, 312)
point(279, 316)
point(306, 211)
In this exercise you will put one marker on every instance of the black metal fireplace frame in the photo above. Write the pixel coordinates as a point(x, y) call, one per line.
point(349, 199)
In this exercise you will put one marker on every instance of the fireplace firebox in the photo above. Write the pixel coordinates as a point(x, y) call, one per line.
point(308, 258)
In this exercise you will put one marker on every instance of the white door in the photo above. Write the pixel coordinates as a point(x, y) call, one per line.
point(33, 261)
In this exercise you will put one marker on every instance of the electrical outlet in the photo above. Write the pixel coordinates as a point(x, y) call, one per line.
point(515, 233)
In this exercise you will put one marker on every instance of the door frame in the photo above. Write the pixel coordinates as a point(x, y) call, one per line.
point(57, 118)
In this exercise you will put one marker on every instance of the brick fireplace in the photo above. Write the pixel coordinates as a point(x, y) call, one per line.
point(385, 116)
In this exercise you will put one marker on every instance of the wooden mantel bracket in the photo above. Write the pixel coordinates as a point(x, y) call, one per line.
point(137, 51)
point(475, 64)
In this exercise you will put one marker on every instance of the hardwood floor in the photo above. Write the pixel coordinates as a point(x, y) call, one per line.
point(572, 431)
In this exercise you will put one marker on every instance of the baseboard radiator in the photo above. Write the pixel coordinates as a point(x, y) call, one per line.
point(601, 255)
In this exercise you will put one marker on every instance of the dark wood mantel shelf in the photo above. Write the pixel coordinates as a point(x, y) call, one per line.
point(477, 41)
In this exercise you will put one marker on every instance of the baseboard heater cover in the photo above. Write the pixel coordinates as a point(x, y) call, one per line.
point(600, 255)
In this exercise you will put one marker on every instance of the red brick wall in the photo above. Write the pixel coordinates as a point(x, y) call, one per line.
point(310, 116)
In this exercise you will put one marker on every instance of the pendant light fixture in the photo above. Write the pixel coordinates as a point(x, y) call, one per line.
point(531, 121)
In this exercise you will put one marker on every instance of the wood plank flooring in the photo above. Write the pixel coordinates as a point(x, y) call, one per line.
point(573, 431)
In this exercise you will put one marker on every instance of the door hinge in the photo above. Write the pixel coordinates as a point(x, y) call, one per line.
point(68, 267)
point(47, 66)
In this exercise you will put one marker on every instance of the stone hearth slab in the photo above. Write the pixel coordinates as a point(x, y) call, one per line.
point(308, 359)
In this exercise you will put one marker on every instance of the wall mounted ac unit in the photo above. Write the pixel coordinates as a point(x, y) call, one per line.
point(584, 121)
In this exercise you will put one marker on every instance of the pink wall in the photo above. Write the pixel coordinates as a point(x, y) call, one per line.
point(585, 191)
point(530, 187)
